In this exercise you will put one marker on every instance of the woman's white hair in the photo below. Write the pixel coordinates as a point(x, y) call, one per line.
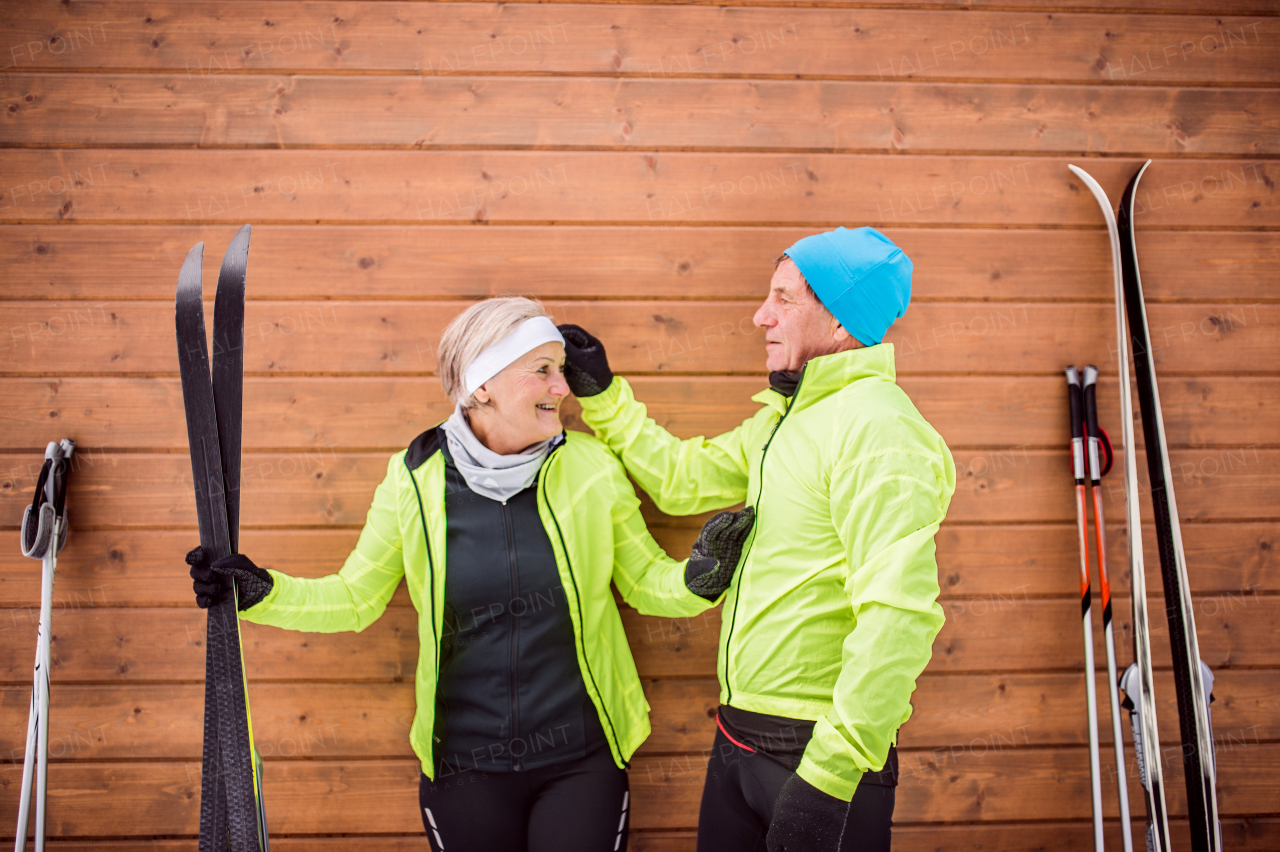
point(475, 330)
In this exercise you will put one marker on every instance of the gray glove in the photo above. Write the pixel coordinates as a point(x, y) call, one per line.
point(252, 583)
point(716, 553)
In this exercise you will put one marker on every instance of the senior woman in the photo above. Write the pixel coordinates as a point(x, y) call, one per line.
point(508, 532)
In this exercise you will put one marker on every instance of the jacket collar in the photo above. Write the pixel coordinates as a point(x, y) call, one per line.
point(424, 447)
point(429, 442)
point(828, 374)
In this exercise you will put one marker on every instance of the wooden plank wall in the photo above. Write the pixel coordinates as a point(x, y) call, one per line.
point(637, 166)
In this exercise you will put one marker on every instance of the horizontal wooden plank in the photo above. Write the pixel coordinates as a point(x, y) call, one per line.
point(977, 637)
point(1228, 563)
point(366, 721)
point(93, 643)
point(334, 413)
point(166, 722)
point(56, 338)
point(1049, 709)
point(1245, 835)
point(346, 413)
point(208, 38)
point(324, 489)
point(100, 644)
point(666, 188)
point(328, 110)
point(318, 262)
point(1225, 561)
point(324, 797)
point(1209, 486)
point(1047, 634)
point(973, 785)
point(1041, 709)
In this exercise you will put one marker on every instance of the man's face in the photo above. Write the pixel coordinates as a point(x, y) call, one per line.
point(796, 325)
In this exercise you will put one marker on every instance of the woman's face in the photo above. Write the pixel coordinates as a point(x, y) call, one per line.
point(521, 405)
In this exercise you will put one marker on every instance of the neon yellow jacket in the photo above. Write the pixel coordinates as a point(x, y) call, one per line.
point(832, 615)
point(592, 516)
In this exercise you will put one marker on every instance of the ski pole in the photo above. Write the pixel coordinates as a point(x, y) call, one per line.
point(1095, 439)
point(44, 532)
point(1086, 594)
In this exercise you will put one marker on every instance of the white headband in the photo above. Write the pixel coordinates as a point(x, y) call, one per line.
point(529, 335)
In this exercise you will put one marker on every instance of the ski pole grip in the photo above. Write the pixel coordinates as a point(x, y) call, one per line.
point(1090, 377)
point(1073, 400)
point(1077, 425)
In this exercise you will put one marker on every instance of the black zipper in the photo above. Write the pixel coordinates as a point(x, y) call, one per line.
point(577, 598)
point(431, 573)
point(515, 627)
point(733, 617)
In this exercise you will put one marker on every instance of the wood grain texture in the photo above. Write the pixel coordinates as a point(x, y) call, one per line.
point(208, 38)
point(952, 786)
point(436, 187)
point(325, 489)
point(322, 796)
point(353, 721)
point(1247, 835)
point(687, 337)
point(1229, 563)
point(333, 413)
point(347, 413)
point(409, 111)
point(392, 262)
point(144, 645)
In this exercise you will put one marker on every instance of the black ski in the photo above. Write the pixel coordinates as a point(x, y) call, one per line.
point(229, 806)
point(1193, 705)
point(228, 396)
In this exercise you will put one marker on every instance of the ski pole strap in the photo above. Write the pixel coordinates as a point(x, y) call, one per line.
point(1099, 442)
point(40, 519)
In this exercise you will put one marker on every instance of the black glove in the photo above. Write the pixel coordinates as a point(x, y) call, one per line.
point(252, 583)
point(716, 553)
point(805, 819)
point(586, 367)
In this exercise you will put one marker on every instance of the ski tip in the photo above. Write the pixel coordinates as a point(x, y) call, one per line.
point(242, 237)
point(1099, 194)
point(191, 267)
point(236, 260)
point(1132, 189)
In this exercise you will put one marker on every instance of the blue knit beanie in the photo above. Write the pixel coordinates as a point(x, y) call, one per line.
point(859, 275)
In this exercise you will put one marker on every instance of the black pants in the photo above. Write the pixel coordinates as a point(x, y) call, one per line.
point(738, 797)
point(581, 806)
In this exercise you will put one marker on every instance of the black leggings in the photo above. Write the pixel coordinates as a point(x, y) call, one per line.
point(738, 798)
point(580, 806)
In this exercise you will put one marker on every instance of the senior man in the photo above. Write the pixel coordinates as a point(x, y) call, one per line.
point(832, 615)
